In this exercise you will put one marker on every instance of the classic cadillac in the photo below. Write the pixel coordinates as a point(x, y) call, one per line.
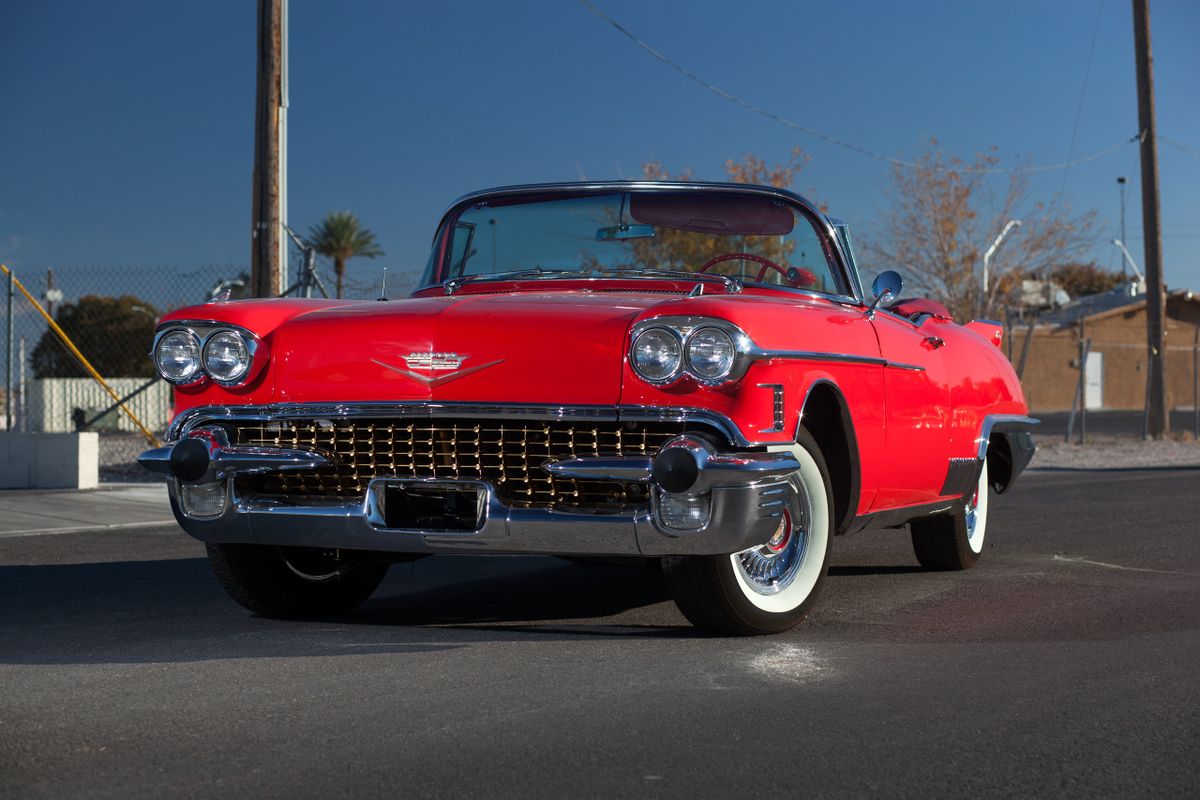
point(687, 372)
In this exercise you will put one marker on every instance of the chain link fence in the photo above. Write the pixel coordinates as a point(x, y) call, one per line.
point(110, 313)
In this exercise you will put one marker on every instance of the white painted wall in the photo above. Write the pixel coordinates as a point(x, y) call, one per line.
point(49, 460)
point(52, 400)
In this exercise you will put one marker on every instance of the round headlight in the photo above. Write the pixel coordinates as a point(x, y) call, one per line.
point(710, 354)
point(177, 356)
point(657, 354)
point(226, 356)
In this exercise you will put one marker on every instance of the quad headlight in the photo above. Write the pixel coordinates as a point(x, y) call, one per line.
point(191, 351)
point(712, 351)
point(177, 356)
point(226, 356)
point(657, 355)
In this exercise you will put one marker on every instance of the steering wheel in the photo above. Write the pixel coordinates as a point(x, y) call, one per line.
point(797, 277)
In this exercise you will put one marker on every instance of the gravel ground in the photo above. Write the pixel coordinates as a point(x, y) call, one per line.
point(118, 459)
point(1114, 453)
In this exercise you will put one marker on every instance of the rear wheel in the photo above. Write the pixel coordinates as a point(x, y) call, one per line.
point(954, 541)
point(772, 587)
point(290, 582)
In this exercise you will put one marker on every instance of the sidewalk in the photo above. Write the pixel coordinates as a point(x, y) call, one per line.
point(25, 513)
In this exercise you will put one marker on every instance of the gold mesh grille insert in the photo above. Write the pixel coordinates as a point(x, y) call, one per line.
point(507, 453)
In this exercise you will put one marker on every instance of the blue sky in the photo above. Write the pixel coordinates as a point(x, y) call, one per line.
point(128, 126)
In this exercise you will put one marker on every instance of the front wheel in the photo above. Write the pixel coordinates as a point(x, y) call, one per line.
point(772, 587)
point(294, 582)
point(954, 541)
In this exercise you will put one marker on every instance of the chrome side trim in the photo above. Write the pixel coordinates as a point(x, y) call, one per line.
point(902, 365)
point(813, 355)
point(845, 358)
point(997, 423)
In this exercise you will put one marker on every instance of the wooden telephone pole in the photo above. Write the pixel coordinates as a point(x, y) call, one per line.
point(1158, 420)
point(266, 236)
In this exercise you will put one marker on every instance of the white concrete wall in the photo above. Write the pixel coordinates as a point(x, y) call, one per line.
point(49, 460)
point(51, 401)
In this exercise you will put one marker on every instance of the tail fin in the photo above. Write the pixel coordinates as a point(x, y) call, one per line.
point(992, 331)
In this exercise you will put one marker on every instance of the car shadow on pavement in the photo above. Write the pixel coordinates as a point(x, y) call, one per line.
point(561, 597)
point(174, 610)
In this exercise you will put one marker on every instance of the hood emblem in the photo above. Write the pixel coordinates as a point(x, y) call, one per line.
point(437, 362)
point(446, 363)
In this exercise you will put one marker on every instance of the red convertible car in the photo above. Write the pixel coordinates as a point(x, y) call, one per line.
point(688, 372)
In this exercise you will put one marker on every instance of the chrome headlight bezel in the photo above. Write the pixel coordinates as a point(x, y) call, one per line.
point(197, 371)
point(245, 356)
point(672, 336)
point(684, 328)
point(202, 333)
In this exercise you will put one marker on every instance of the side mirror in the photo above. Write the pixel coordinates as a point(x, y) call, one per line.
point(886, 288)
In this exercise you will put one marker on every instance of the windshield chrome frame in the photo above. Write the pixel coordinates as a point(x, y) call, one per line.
point(824, 226)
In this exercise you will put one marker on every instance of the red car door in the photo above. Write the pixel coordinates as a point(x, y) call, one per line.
point(916, 412)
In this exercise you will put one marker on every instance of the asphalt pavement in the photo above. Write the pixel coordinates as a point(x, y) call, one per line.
point(1065, 664)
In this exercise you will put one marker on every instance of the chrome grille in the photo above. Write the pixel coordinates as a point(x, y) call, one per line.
point(509, 454)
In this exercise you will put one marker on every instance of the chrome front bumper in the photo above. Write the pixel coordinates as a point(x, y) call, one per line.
point(740, 517)
point(744, 494)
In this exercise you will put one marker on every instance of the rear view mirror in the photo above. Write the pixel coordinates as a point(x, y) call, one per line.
point(618, 232)
point(886, 288)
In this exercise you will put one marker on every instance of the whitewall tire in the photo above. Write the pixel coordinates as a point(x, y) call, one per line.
point(772, 587)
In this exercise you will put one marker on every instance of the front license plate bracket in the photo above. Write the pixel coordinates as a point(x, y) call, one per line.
point(434, 506)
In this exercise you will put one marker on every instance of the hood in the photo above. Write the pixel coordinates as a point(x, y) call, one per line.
point(561, 348)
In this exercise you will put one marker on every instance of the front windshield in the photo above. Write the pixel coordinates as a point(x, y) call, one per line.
point(754, 238)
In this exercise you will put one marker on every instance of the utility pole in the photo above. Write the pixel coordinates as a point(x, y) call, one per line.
point(1158, 420)
point(266, 233)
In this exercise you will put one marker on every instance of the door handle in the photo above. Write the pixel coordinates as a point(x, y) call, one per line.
point(935, 342)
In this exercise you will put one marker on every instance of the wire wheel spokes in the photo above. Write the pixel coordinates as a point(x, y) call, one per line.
point(769, 568)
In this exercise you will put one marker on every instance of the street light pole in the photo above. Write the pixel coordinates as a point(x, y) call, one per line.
point(1012, 223)
point(1132, 264)
point(1121, 185)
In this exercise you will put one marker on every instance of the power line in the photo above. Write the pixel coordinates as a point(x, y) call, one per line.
point(1087, 73)
point(833, 139)
point(1182, 147)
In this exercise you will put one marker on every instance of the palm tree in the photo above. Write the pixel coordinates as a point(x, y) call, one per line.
point(341, 237)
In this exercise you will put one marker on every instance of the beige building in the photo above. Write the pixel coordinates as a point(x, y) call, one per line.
point(1047, 355)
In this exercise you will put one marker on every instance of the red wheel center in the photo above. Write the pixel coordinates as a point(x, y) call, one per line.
point(783, 535)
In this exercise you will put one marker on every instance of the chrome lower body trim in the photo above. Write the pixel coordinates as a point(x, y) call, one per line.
point(1003, 423)
point(741, 517)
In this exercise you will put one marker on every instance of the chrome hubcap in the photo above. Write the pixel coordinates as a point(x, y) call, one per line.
point(771, 567)
point(972, 514)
